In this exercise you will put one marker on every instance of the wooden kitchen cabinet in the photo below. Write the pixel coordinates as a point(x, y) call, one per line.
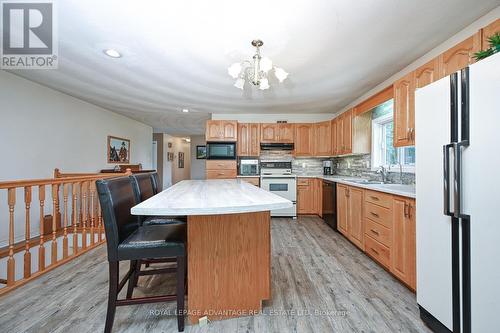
point(333, 127)
point(221, 130)
point(220, 169)
point(342, 208)
point(339, 135)
point(355, 223)
point(305, 196)
point(488, 31)
point(318, 196)
point(404, 111)
point(427, 73)
point(277, 133)
point(323, 138)
point(248, 139)
point(347, 132)
point(460, 56)
point(403, 250)
point(304, 139)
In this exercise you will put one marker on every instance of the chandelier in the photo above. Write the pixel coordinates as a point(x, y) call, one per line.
point(257, 71)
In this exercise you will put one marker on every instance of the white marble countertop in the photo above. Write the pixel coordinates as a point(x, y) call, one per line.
point(397, 189)
point(210, 197)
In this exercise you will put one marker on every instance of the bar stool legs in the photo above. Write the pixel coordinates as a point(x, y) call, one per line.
point(112, 296)
point(181, 281)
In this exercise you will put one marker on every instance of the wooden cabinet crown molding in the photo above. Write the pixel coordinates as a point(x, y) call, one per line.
point(488, 31)
point(374, 101)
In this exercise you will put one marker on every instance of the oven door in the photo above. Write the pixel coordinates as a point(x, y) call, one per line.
point(221, 151)
point(285, 187)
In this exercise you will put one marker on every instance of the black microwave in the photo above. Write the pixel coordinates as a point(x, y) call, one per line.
point(221, 151)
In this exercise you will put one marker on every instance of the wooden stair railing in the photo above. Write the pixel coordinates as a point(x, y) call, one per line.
point(75, 213)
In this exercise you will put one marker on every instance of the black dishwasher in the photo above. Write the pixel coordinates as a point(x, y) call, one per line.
point(330, 203)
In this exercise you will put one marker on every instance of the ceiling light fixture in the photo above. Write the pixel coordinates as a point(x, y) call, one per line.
point(112, 53)
point(257, 71)
point(185, 110)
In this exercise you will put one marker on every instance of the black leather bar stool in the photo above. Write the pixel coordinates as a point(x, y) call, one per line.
point(144, 189)
point(127, 239)
point(156, 182)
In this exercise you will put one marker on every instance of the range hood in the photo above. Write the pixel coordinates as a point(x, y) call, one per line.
point(276, 146)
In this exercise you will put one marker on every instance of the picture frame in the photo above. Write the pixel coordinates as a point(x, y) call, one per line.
point(181, 160)
point(170, 157)
point(118, 151)
point(201, 152)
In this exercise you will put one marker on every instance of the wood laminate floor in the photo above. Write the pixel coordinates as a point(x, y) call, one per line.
point(320, 283)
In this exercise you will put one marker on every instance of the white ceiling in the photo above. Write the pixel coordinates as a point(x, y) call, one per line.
point(176, 53)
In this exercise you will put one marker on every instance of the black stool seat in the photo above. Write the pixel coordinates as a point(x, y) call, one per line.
point(161, 220)
point(154, 241)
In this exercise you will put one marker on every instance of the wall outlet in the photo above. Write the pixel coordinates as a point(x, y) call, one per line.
point(203, 321)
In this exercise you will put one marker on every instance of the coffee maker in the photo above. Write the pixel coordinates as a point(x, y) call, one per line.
point(327, 168)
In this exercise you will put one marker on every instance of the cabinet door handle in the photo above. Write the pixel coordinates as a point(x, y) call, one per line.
point(375, 232)
point(374, 214)
point(405, 210)
point(409, 210)
point(374, 198)
point(374, 251)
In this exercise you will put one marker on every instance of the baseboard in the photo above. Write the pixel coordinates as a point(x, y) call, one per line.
point(435, 325)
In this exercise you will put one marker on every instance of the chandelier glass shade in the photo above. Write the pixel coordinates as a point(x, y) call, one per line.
point(256, 71)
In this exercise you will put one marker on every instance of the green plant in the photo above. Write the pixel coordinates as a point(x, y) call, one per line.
point(494, 41)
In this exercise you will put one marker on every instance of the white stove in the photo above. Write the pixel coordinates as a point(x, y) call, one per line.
point(276, 177)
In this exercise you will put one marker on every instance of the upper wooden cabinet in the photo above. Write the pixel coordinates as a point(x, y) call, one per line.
point(403, 263)
point(304, 139)
point(248, 139)
point(333, 127)
point(460, 56)
point(221, 130)
point(428, 73)
point(323, 138)
point(343, 133)
point(488, 31)
point(277, 133)
point(404, 111)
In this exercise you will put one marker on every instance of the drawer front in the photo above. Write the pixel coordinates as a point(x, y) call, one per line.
point(377, 251)
point(221, 165)
point(221, 174)
point(378, 232)
point(378, 214)
point(303, 181)
point(254, 181)
point(378, 198)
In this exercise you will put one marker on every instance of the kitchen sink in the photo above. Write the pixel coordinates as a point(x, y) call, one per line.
point(364, 181)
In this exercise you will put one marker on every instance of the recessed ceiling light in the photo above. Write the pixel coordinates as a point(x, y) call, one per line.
point(112, 53)
point(185, 110)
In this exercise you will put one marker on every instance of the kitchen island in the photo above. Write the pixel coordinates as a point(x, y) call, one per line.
point(228, 243)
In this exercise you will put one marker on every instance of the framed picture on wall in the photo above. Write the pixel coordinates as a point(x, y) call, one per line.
point(201, 152)
point(118, 150)
point(170, 156)
point(181, 160)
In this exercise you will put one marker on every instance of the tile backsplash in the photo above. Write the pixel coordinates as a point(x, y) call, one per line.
point(350, 166)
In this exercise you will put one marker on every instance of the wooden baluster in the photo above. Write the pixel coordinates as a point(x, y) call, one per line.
point(74, 217)
point(11, 264)
point(41, 248)
point(65, 221)
point(92, 212)
point(55, 209)
point(84, 215)
point(99, 220)
point(27, 254)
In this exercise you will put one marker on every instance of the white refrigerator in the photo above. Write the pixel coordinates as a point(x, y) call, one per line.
point(457, 121)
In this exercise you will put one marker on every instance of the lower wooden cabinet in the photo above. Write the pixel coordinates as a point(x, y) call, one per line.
point(383, 226)
point(403, 263)
point(309, 196)
point(349, 213)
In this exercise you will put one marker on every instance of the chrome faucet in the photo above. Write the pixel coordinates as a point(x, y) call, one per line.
point(383, 173)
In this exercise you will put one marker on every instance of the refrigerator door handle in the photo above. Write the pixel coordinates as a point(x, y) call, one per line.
point(446, 179)
point(457, 177)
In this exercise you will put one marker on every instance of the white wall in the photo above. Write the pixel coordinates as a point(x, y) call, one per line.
point(452, 41)
point(42, 129)
point(272, 118)
point(197, 166)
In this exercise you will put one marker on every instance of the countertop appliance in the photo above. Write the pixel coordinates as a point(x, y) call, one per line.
point(276, 177)
point(329, 206)
point(221, 150)
point(457, 223)
point(248, 167)
point(327, 168)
